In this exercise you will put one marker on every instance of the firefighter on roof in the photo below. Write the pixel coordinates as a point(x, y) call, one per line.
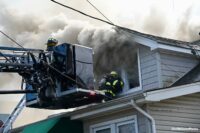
point(111, 84)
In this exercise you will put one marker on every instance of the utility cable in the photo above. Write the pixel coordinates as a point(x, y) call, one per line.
point(85, 14)
point(12, 39)
point(82, 12)
point(100, 12)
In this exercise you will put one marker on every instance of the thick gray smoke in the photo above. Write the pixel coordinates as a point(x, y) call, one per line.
point(111, 47)
point(153, 23)
point(188, 30)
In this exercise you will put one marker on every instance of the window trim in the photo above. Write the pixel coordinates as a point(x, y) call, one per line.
point(113, 123)
point(102, 127)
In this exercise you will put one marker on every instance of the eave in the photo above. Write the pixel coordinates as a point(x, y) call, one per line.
point(172, 92)
point(124, 103)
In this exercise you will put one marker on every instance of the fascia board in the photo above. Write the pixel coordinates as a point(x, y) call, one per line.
point(98, 111)
point(145, 41)
point(176, 49)
point(164, 94)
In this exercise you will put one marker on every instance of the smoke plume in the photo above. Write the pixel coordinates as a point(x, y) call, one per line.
point(110, 47)
point(188, 29)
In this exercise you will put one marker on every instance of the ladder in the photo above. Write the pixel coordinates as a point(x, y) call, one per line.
point(13, 116)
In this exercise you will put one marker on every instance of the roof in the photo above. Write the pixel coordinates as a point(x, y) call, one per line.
point(197, 42)
point(52, 125)
point(125, 102)
point(166, 41)
point(122, 103)
point(172, 92)
point(191, 77)
point(108, 107)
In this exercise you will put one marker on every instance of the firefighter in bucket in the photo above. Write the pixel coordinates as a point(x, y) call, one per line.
point(111, 84)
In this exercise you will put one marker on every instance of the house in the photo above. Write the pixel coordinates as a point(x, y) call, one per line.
point(161, 95)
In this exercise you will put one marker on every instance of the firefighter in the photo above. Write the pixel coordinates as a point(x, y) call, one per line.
point(111, 84)
point(51, 43)
point(47, 91)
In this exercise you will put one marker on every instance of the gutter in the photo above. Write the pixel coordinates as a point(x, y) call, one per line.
point(98, 111)
point(153, 124)
point(100, 108)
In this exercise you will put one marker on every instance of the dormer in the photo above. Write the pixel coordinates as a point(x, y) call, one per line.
point(158, 62)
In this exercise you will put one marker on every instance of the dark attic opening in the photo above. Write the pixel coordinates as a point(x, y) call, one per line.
point(122, 58)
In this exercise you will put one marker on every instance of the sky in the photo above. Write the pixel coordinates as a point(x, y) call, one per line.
point(128, 13)
point(31, 22)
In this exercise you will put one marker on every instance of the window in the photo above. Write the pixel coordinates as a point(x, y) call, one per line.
point(123, 125)
point(126, 127)
point(131, 74)
point(104, 129)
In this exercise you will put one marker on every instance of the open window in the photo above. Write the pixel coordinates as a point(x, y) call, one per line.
point(131, 73)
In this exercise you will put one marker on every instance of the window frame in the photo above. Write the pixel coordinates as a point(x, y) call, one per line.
point(113, 124)
point(138, 88)
point(102, 127)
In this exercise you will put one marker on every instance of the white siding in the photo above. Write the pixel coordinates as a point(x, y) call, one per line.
point(174, 66)
point(177, 112)
point(149, 68)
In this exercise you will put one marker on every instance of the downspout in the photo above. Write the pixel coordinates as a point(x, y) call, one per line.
point(153, 124)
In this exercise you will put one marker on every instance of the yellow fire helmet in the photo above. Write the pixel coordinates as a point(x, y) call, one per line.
point(114, 73)
point(52, 42)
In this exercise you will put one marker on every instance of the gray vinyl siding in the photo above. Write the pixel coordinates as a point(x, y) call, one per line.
point(142, 121)
point(149, 68)
point(174, 66)
point(177, 112)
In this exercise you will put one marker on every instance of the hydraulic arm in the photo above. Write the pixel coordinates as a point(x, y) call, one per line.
point(60, 78)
